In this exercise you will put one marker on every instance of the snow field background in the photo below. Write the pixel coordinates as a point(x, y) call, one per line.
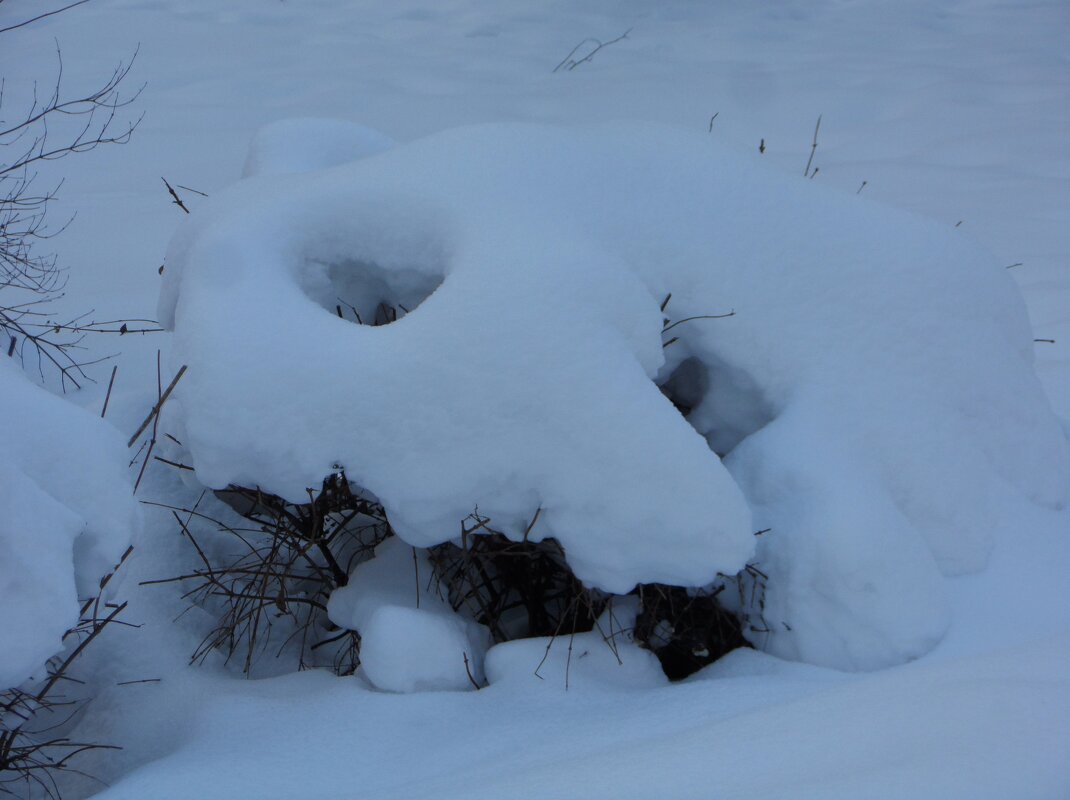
point(957, 112)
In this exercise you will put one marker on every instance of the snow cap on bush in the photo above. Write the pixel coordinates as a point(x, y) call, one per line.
point(526, 267)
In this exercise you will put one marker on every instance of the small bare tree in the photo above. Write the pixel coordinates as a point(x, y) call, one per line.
point(31, 280)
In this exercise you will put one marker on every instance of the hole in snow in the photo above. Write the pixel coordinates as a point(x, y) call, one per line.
point(687, 385)
point(366, 293)
point(735, 406)
point(722, 402)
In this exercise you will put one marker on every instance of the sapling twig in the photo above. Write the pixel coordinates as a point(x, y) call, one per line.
point(176, 199)
point(700, 316)
point(107, 397)
point(813, 149)
point(159, 404)
point(568, 63)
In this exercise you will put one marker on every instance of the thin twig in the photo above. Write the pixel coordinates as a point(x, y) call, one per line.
point(107, 397)
point(568, 63)
point(177, 200)
point(159, 404)
point(813, 149)
point(42, 16)
point(174, 464)
point(155, 425)
point(468, 671)
point(701, 316)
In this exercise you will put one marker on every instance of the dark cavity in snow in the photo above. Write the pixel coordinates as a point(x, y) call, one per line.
point(368, 294)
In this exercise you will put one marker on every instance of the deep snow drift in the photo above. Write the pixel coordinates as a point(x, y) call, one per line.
point(872, 392)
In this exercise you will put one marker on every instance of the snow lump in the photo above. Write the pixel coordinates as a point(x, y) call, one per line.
point(66, 514)
point(871, 400)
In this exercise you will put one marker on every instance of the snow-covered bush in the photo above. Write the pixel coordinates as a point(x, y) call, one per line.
point(282, 585)
point(868, 405)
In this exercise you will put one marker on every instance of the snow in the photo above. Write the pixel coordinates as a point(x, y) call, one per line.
point(307, 145)
point(466, 401)
point(410, 638)
point(850, 583)
point(604, 658)
point(38, 586)
point(66, 515)
point(916, 732)
point(879, 411)
point(533, 262)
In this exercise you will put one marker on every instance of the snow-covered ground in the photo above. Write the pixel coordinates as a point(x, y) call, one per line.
point(894, 358)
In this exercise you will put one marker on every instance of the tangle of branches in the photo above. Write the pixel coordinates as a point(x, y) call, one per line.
point(286, 563)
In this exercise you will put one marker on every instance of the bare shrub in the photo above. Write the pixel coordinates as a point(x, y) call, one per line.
point(31, 281)
point(288, 561)
point(33, 749)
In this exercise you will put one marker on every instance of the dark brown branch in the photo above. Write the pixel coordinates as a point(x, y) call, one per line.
point(42, 16)
point(177, 200)
point(107, 397)
point(159, 404)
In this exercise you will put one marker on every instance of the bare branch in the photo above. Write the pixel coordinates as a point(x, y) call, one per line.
point(30, 281)
point(159, 404)
point(42, 16)
point(813, 149)
point(177, 200)
point(569, 63)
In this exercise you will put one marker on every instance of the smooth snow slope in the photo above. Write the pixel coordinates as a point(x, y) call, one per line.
point(992, 727)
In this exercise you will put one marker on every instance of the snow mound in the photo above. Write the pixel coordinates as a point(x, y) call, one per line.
point(66, 513)
point(410, 638)
point(846, 572)
point(310, 144)
point(872, 395)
